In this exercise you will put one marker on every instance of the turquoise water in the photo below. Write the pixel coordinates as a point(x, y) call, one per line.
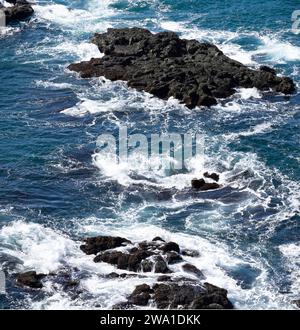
point(53, 191)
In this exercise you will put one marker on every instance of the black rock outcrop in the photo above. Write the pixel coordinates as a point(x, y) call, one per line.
point(180, 295)
point(166, 66)
point(93, 245)
point(19, 11)
point(30, 279)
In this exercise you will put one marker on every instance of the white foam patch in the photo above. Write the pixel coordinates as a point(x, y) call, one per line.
point(39, 248)
point(292, 253)
point(277, 50)
point(117, 97)
point(255, 130)
point(86, 106)
point(61, 14)
point(248, 93)
point(84, 51)
point(82, 19)
point(53, 85)
point(8, 31)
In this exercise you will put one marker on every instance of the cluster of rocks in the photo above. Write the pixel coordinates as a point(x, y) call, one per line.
point(186, 295)
point(195, 73)
point(202, 185)
point(170, 291)
point(30, 279)
point(19, 11)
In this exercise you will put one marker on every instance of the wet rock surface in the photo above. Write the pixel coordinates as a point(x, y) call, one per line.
point(30, 279)
point(170, 291)
point(213, 176)
point(184, 296)
point(19, 11)
point(164, 259)
point(189, 268)
point(93, 245)
point(195, 73)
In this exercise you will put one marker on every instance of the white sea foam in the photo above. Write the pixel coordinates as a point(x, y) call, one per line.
point(84, 51)
point(37, 247)
point(255, 130)
point(247, 93)
point(292, 254)
point(75, 20)
point(53, 85)
point(277, 51)
point(88, 106)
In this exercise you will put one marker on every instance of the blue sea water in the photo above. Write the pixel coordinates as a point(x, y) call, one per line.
point(54, 190)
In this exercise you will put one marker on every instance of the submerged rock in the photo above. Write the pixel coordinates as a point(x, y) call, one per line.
point(30, 279)
point(21, 10)
point(189, 268)
point(195, 73)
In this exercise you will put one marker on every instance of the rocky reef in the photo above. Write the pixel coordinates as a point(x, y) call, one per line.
point(186, 289)
point(197, 74)
point(19, 11)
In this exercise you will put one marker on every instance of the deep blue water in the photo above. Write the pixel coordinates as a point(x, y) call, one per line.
point(52, 193)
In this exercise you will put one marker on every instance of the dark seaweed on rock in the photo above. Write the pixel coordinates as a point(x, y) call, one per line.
point(165, 65)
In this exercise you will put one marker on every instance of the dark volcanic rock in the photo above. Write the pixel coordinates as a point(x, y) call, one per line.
point(30, 279)
point(21, 10)
point(173, 257)
point(164, 278)
point(170, 246)
point(213, 176)
point(160, 266)
point(189, 268)
point(136, 258)
point(187, 296)
point(200, 184)
point(141, 295)
point(157, 238)
point(131, 261)
point(215, 298)
point(116, 258)
point(93, 245)
point(165, 65)
point(190, 253)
